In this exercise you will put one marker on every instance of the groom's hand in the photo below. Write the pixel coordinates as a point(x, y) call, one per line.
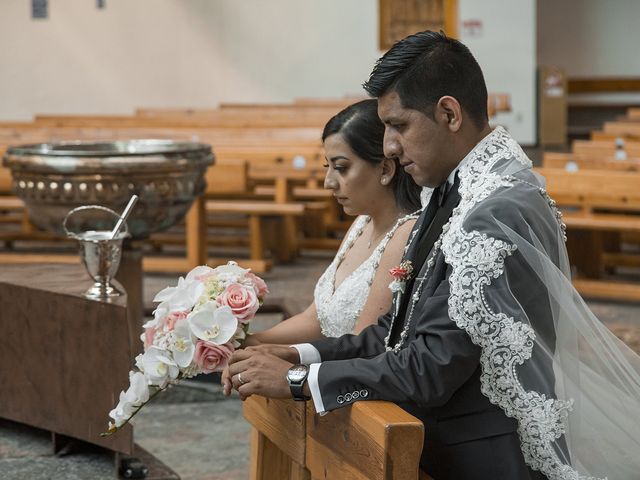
point(287, 353)
point(253, 372)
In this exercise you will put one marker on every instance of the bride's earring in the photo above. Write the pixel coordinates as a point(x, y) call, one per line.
point(384, 180)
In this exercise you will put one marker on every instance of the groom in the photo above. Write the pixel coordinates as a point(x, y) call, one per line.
point(433, 102)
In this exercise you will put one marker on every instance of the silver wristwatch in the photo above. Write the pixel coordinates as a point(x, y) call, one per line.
point(297, 376)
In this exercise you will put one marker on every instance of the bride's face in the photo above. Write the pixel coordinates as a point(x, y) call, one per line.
point(359, 186)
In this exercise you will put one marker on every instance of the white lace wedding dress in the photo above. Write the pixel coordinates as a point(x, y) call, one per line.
point(339, 308)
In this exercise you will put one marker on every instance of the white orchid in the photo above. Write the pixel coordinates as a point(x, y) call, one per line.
point(161, 311)
point(179, 298)
point(136, 395)
point(213, 324)
point(182, 346)
point(230, 272)
point(198, 273)
point(138, 362)
point(138, 392)
point(122, 412)
point(158, 367)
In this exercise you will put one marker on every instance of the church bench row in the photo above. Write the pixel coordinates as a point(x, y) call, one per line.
point(264, 153)
point(606, 148)
point(230, 194)
point(226, 179)
point(599, 208)
point(633, 114)
point(368, 440)
point(580, 161)
point(215, 136)
point(217, 120)
point(624, 130)
point(301, 107)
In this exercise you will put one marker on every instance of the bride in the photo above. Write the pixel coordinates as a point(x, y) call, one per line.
point(353, 291)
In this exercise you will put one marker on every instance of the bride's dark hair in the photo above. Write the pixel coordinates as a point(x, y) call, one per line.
point(363, 130)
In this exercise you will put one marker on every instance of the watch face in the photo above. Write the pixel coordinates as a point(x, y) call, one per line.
point(297, 373)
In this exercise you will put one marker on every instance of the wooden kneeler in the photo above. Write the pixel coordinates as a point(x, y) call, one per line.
point(369, 440)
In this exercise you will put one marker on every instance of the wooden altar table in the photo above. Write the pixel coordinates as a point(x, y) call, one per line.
point(64, 358)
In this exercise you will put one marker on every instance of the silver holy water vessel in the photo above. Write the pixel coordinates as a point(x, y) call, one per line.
point(99, 252)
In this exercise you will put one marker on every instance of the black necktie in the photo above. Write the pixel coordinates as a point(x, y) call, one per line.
point(443, 190)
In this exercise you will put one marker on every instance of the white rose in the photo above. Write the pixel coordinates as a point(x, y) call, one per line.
point(396, 286)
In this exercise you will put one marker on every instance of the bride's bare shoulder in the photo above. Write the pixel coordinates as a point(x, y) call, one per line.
point(395, 248)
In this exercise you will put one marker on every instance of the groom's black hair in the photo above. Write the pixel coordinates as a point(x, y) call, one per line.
point(363, 131)
point(424, 67)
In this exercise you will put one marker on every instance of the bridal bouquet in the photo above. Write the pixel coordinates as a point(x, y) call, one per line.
point(196, 327)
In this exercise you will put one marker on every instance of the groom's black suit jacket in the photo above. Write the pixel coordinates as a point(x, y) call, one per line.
point(435, 376)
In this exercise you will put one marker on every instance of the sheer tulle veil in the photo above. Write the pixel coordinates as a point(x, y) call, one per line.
point(546, 359)
point(593, 369)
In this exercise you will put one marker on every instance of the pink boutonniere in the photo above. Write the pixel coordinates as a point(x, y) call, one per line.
point(400, 275)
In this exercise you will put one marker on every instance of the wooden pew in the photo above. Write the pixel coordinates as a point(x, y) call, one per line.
point(368, 440)
point(622, 129)
point(597, 208)
point(605, 148)
point(633, 114)
point(575, 162)
point(228, 196)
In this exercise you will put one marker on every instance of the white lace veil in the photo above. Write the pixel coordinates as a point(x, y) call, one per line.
point(546, 359)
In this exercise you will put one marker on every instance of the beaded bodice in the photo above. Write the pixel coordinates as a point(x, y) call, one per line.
point(339, 308)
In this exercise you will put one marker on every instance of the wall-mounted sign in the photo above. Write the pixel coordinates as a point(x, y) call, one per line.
point(39, 8)
point(554, 82)
point(472, 27)
point(399, 18)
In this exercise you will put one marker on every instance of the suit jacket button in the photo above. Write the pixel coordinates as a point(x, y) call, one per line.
point(340, 399)
point(364, 393)
point(347, 397)
point(356, 394)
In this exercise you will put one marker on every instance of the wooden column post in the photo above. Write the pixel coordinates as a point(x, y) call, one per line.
point(196, 233)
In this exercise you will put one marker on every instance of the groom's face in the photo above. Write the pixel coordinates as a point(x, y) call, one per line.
point(421, 144)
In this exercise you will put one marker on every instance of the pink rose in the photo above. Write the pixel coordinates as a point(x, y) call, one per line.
point(258, 283)
point(170, 320)
point(149, 333)
point(242, 300)
point(210, 357)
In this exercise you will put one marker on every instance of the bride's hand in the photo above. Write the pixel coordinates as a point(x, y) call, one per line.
point(250, 341)
point(284, 352)
point(225, 379)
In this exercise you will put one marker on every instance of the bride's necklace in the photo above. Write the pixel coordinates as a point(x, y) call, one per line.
point(373, 240)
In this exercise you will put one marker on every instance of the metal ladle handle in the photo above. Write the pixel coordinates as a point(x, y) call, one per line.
point(89, 207)
point(123, 218)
